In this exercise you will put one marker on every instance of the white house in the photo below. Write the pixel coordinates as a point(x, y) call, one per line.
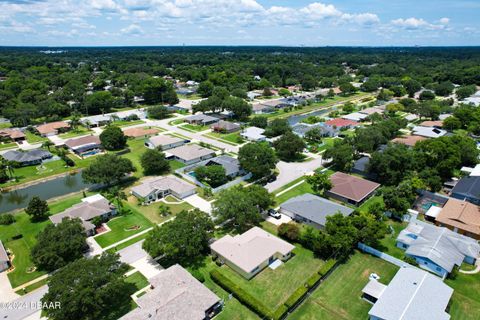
point(164, 142)
point(156, 188)
point(253, 134)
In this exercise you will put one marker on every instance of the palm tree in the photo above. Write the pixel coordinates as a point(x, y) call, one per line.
point(47, 144)
point(75, 121)
point(117, 195)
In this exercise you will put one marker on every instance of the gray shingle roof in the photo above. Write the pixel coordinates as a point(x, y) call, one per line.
point(441, 245)
point(190, 152)
point(230, 164)
point(468, 187)
point(3, 253)
point(361, 164)
point(177, 295)
point(162, 183)
point(413, 294)
point(314, 208)
point(26, 156)
point(201, 117)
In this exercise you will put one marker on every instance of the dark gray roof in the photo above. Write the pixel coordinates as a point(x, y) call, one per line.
point(314, 208)
point(3, 253)
point(231, 165)
point(26, 156)
point(361, 165)
point(468, 187)
point(413, 294)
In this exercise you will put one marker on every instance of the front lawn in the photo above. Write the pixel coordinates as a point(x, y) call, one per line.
point(273, 287)
point(339, 296)
point(193, 127)
point(138, 280)
point(7, 145)
point(79, 131)
point(21, 247)
point(302, 188)
point(123, 227)
point(124, 123)
point(34, 138)
point(233, 138)
point(151, 212)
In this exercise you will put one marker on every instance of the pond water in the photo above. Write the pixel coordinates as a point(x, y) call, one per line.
point(293, 120)
point(57, 187)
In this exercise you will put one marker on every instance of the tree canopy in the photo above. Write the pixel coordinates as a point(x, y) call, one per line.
point(258, 158)
point(113, 138)
point(107, 169)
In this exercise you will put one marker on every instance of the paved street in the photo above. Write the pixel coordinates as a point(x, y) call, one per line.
point(24, 306)
point(290, 171)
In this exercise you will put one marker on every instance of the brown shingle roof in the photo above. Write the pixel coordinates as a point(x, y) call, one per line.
point(72, 143)
point(462, 215)
point(52, 127)
point(408, 140)
point(438, 123)
point(351, 187)
point(12, 133)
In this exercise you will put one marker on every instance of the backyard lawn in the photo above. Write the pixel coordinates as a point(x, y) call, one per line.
point(273, 287)
point(388, 243)
point(124, 123)
point(302, 188)
point(21, 247)
point(151, 212)
point(123, 227)
point(465, 303)
point(339, 296)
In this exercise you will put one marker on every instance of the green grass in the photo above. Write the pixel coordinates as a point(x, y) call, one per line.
point(388, 243)
point(175, 164)
point(128, 243)
point(339, 296)
point(5, 125)
point(233, 309)
point(137, 148)
point(170, 198)
point(138, 280)
point(233, 138)
point(33, 138)
point(298, 190)
point(151, 211)
point(273, 287)
point(367, 204)
point(193, 127)
point(7, 145)
point(465, 303)
point(175, 122)
point(79, 131)
point(124, 123)
point(120, 227)
point(29, 230)
point(32, 287)
point(178, 135)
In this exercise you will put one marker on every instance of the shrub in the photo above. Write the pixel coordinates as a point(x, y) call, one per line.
point(280, 312)
point(410, 260)
point(289, 231)
point(312, 280)
point(17, 236)
point(243, 296)
point(295, 296)
point(329, 264)
point(6, 219)
point(198, 275)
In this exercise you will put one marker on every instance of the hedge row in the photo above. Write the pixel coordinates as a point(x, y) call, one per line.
point(329, 264)
point(295, 296)
point(243, 296)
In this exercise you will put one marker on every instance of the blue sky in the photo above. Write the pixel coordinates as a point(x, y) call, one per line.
point(239, 22)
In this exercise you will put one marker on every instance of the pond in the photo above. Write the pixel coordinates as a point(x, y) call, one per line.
point(293, 120)
point(17, 199)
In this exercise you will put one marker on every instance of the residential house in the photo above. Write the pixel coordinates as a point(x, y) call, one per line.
point(175, 295)
point(11, 134)
point(253, 134)
point(259, 108)
point(250, 252)
point(372, 110)
point(437, 249)
point(301, 129)
point(90, 208)
point(84, 146)
point(156, 188)
point(165, 142)
point(96, 121)
point(312, 210)
point(140, 132)
point(190, 153)
point(201, 119)
point(360, 166)
point(253, 94)
point(184, 105)
point(52, 128)
point(230, 164)
point(411, 117)
point(4, 260)
point(412, 294)
point(428, 132)
point(127, 114)
point(355, 116)
point(339, 123)
point(27, 158)
point(460, 216)
point(467, 188)
point(225, 126)
point(432, 124)
point(409, 141)
point(351, 189)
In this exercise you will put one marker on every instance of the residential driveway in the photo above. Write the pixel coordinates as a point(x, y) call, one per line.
point(7, 293)
point(132, 253)
point(25, 306)
point(290, 171)
point(148, 267)
point(200, 203)
point(94, 248)
point(277, 222)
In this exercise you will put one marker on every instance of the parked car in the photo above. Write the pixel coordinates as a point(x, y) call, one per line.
point(274, 213)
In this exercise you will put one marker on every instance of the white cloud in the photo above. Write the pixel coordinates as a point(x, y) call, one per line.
point(133, 29)
point(444, 20)
point(418, 23)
